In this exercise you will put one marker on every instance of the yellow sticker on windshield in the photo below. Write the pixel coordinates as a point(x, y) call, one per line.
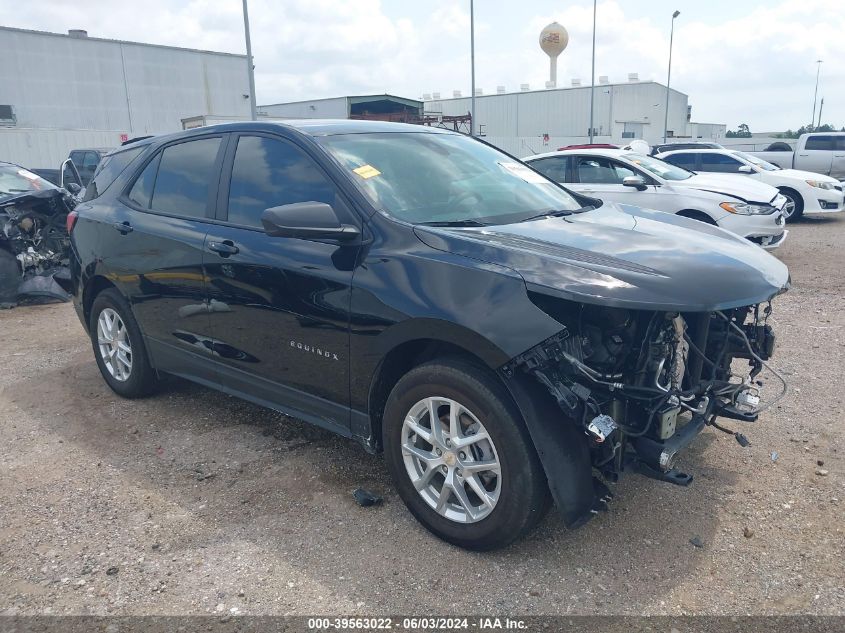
point(366, 171)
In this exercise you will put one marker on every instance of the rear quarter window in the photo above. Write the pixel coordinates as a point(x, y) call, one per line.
point(110, 168)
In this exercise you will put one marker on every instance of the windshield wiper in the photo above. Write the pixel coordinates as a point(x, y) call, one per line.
point(465, 222)
point(556, 214)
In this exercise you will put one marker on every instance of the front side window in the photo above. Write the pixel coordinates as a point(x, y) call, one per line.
point(657, 167)
point(271, 172)
point(820, 143)
point(184, 179)
point(720, 163)
point(687, 161)
point(426, 177)
point(601, 171)
point(757, 162)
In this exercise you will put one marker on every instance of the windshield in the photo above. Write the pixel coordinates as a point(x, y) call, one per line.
point(16, 180)
point(449, 178)
point(659, 167)
point(757, 162)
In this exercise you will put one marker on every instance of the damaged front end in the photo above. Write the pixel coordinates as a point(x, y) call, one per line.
point(34, 236)
point(640, 385)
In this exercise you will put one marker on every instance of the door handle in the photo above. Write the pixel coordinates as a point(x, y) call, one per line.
point(224, 248)
point(123, 227)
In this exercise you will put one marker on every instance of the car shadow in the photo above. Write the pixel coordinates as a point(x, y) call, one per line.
point(229, 481)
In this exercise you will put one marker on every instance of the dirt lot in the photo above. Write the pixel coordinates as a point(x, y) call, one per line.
point(192, 502)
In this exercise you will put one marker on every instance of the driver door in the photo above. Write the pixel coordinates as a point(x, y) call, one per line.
point(601, 177)
point(278, 306)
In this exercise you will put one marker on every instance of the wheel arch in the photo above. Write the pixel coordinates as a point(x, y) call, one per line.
point(412, 343)
point(92, 288)
point(695, 214)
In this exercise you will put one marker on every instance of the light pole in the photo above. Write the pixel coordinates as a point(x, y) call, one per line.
point(593, 75)
point(818, 70)
point(250, 69)
point(472, 67)
point(669, 76)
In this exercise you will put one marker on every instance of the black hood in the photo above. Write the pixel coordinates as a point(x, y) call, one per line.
point(625, 256)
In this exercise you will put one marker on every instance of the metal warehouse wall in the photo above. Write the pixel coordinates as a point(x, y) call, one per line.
point(334, 108)
point(565, 113)
point(93, 87)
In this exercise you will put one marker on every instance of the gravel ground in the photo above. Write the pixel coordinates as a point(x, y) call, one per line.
point(192, 502)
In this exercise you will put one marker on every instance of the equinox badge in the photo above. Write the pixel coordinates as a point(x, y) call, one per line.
point(314, 350)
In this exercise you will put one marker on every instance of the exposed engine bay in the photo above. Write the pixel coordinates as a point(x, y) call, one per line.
point(33, 231)
point(642, 385)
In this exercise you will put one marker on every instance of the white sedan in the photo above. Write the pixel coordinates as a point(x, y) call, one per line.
point(749, 209)
point(805, 191)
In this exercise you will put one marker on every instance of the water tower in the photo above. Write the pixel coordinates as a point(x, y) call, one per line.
point(553, 40)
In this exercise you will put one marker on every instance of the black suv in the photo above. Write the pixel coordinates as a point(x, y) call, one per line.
point(500, 338)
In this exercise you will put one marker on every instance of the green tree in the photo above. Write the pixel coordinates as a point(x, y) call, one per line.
point(742, 131)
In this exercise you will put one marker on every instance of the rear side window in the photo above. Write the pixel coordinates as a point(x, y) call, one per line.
point(820, 142)
point(553, 168)
point(110, 168)
point(687, 161)
point(179, 180)
point(271, 172)
point(142, 191)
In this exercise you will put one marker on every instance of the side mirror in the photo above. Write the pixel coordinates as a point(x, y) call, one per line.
point(73, 188)
point(307, 220)
point(634, 181)
point(745, 169)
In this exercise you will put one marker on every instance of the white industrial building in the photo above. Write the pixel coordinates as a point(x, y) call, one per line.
point(534, 121)
point(65, 91)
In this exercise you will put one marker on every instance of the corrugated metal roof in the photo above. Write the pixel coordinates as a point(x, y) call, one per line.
point(88, 38)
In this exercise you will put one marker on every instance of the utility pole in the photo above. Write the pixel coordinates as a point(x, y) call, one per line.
point(669, 76)
point(250, 66)
point(821, 105)
point(593, 76)
point(472, 67)
point(818, 70)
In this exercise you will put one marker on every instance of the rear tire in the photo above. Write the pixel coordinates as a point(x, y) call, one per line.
point(488, 429)
point(119, 347)
point(794, 207)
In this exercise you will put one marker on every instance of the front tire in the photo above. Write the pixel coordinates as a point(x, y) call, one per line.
point(461, 457)
point(119, 347)
point(10, 277)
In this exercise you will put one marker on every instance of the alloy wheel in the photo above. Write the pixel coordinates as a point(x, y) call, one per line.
point(451, 460)
point(114, 344)
point(789, 207)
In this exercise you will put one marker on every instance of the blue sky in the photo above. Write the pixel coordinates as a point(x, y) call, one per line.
point(739, 61)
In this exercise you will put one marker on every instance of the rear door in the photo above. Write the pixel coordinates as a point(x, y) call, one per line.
point(157, 248)
point(279, 307)
point(837, 168)
point(817, 154)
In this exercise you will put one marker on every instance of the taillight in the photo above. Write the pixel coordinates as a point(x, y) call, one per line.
point(72, 217)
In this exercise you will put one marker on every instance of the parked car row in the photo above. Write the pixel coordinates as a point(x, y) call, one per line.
point(501, 338)
point(749, 209)
point(805, 191)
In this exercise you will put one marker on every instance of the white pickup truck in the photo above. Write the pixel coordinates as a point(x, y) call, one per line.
point(818, 152)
